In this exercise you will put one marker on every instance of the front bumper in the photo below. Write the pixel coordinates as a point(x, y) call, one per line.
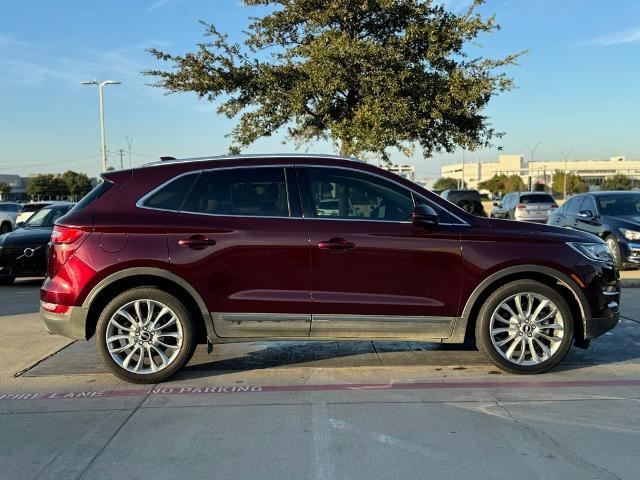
point(71, 324)
point(594, 327)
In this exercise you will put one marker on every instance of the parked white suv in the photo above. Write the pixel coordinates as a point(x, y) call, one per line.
point(8, 214)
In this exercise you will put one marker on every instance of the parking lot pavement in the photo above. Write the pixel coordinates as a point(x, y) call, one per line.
point(318, 410)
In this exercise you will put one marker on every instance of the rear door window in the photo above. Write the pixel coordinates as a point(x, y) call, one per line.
point(253, 192)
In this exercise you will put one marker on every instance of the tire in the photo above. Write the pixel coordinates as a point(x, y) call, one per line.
point(466, 205)
point(612, 243)
point(7, 280)
point(5, 228)
point(527, 329)
point(179, 335)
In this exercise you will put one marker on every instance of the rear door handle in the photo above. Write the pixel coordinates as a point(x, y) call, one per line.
point(336, 245)
point(196, 242)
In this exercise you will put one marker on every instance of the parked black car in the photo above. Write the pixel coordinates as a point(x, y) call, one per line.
point(613, 216)
point(468, 200)
point(23, 252)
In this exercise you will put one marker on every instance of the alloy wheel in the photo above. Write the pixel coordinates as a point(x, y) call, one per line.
point(527, 328)
point(144, 336)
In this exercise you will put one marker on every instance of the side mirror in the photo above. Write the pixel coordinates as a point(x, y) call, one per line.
point(586, 215)
point(424, 216)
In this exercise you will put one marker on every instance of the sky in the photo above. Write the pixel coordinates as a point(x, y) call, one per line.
point(578, 86)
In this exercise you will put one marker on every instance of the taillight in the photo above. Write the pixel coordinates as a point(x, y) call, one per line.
point(521, 206)
point(64, 242)
point(65, 235)
point(554, 206)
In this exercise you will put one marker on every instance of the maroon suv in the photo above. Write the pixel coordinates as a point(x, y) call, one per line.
point(235, 249)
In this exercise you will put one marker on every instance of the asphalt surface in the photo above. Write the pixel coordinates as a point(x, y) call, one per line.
point(329, 410)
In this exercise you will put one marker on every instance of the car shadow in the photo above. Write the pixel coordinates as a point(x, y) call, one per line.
point(20, 298)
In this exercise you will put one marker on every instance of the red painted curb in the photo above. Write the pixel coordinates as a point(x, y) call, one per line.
point(235, 389)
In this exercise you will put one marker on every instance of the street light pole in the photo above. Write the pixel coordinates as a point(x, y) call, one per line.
point(129, 142)
point(564, 194)
point(533, 153)
point(103, 142)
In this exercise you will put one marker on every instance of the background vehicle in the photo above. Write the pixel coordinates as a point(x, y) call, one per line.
point(468, 200)
point(29, 209)
point(613, 216)
point(23, 252)
point(8, 215)
point(525, 206)
point(235, 249)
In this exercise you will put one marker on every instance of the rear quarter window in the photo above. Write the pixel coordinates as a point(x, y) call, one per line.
point(99, 190)
point(171, 195)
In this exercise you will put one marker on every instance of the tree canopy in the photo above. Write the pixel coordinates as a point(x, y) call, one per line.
point(446, 183)
point(575, 183)
point(503, 184)
point(367, 75)
point(51, 186)
point(617, 182)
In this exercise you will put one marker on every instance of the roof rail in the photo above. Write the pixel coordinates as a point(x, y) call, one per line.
point(172, 160)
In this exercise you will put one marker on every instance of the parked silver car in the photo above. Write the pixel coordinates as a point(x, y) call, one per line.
point(525, 206)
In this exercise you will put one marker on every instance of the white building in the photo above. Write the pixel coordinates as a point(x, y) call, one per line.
point(405, 171)
point(592, 171)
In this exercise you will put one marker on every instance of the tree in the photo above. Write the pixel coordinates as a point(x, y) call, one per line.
point(617, 182)
point(368, 76)
point(495, 184)
point(503, 184)
point(47, 186)
point(445, 183)
point(78, 184)
point(514, 183)
point(5, 190)
point(575, 183)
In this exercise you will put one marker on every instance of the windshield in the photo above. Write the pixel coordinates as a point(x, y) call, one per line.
point(536, 199)
point(46, 217)
point(620, 205)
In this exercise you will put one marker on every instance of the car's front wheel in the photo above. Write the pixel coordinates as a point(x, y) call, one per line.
point(525, 327)
point(145, 335)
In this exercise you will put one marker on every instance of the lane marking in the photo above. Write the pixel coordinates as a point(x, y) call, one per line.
point(236, 389)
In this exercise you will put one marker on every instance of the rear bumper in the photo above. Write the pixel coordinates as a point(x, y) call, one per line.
point(71, 324)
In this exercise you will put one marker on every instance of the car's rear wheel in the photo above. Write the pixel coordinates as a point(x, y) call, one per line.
point(7, 280)
point(525, 327)
point(145, 335)
point(614, 248)
point(5, 228)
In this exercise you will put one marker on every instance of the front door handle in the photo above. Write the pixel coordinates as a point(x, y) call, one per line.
point(196, 242)
point(336, 245)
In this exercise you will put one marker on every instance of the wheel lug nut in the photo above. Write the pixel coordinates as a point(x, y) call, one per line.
point(140, 342)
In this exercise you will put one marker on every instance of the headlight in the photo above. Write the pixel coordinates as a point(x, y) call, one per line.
point(630, 234)
point(593, 251)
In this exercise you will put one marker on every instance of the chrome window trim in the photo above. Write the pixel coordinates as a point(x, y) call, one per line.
point(140, 202)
